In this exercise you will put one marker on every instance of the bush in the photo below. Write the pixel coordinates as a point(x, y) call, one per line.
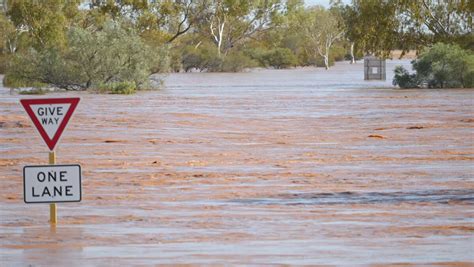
point(236, 61)
point(319, 61)
point(280, 58)
point(337, 52)
point(445, 65)
point(404, 79)
point(441, 66)
point(110, 55)
point(4, 59)
point(258, 55)
point(123, 88)
point(203, 58)
point(12, 81)
point(358, 55)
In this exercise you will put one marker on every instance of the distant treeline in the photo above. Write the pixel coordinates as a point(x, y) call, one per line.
point(76, 44)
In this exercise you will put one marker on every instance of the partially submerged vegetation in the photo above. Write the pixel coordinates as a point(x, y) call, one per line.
point(90, 58)
point(82, 45)
point(123, 88)
point(440, 66)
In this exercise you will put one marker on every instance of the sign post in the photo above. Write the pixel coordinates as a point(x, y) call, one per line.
point(53, 218)
point(50, 117)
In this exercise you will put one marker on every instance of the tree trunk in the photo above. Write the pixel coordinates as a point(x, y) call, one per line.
point(221, 33)
point(219, 48)
point(352, 53)
point(326, 60)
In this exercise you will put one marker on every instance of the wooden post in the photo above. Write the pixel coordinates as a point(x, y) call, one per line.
point(52, 207)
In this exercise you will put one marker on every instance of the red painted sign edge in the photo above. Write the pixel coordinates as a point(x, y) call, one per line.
point(51, 143)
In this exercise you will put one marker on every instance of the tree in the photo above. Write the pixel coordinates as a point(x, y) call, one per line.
point(91, 58)
point(45, 22)
point(165, 19)
point(433, 21)
point(441, 66)
point(346, 16)
point(377, 27)
point(322, 29)
point(372, 26)
point(234, 21)
point(9, 35)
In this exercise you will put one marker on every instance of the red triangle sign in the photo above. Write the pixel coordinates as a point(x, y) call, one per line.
point(50, 116)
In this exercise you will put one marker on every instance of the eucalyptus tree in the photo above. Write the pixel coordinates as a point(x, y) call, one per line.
point(321, 29)
point(44, 22)
point(231, 22)
point(9, 35)
point(372, 26)
point(432, 21)
point(160, 20)
point(377, 27)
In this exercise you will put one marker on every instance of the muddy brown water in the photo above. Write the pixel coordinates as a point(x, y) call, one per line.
point(266, 167)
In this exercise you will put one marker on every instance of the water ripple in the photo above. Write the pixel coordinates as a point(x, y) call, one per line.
point(464, 196)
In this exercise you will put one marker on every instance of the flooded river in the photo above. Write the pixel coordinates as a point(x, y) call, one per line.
point(301, 166)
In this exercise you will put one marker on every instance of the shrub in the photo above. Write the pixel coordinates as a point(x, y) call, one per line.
point(358, 55)
point(202, 58)
point(13, 81)
point(280, 58)
point(445, 65)
point(337, 52)
point(236, 61)
point(404, 79)
point(319, 61)
point(441, 66)
point(258, 55)
point(110, 55)
point(4, 59)
point(205, 58)
point(123, 88)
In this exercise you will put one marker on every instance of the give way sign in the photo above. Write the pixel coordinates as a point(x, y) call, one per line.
point(50, 116)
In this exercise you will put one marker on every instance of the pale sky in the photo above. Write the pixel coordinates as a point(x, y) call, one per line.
point(324, 3)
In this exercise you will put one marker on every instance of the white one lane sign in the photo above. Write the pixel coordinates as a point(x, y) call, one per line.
point(52, 183)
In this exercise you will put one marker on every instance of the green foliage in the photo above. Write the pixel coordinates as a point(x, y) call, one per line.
point(232, 22)
point(77, 45)
point(280, 58)
point(430, 22)
point(445, 65)
point(122, 88)
point(372, 25)
point(321, 28)
point(377, 27)
point(202, 58)
point(11, 81)
point(319, 61)
point(205, 58)
point(45, 20)
point(236, 61)
point(111, 55)
point(4, 59)
point(338, 52)
point(441, 66)
point(404, 79)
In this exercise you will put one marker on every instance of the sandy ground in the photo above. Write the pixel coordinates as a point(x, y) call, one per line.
point(268, 167)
